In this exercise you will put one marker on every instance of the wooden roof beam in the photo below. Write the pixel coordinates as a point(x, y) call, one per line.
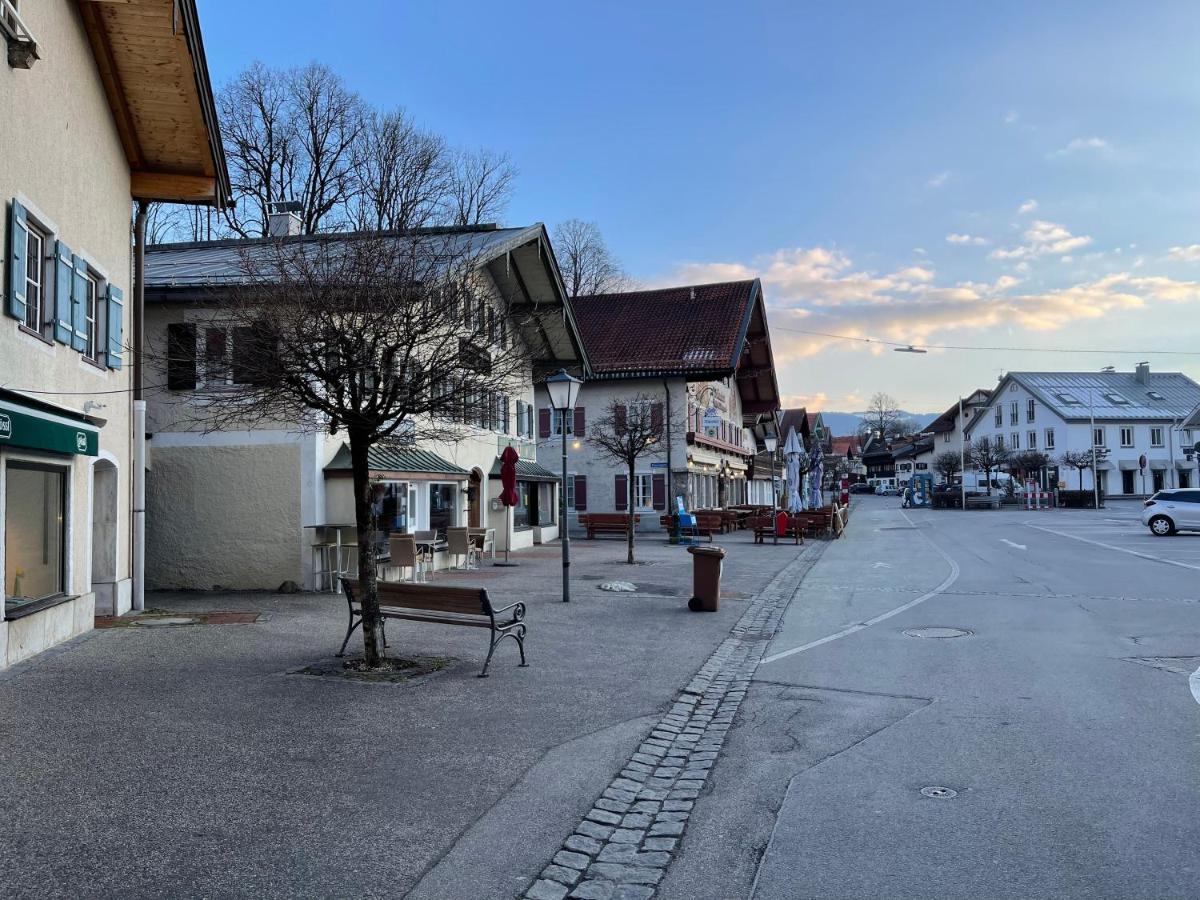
point(173, 188)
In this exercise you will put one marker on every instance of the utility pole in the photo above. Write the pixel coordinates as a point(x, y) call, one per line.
point(1095, 471)
point(962, 456)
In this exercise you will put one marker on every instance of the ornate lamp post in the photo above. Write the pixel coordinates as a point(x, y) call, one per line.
point(771, 442)
point(564, 392)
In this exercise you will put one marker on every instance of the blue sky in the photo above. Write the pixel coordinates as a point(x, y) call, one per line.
point(874, 162)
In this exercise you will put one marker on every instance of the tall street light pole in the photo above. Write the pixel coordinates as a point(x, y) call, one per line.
point(564, 393)
point(770, 441)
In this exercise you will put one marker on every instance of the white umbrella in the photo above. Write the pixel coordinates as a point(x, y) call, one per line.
point(793, 448)
point(818, 472)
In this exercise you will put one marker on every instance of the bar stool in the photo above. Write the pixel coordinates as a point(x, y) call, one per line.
point(324, 562)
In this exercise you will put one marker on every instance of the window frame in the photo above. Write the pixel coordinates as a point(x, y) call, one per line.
point(92, 351)
point(64, 551)
point(1015, 438)
point(556, 420)
point(1099, 431)
point(35, 231)
point(1159, 441)
point(1030, 409)
point(1014, 412)
point(1127, 430)
point(1048, 439)
point(1031, 440)
point(640, 479)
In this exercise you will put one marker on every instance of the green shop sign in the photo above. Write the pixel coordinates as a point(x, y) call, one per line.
point(43, 431)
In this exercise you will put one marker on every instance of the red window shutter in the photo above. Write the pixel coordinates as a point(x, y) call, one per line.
point(544, 423)
point(619, 417)
point(579, 421)
point(621, 488)
point(656, 417)
point(660, 491)
point(581, 492)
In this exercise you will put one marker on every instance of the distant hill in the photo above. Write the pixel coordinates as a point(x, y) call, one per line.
point(843, 423)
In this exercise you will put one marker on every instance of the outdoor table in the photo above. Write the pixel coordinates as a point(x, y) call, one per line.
point(336, 545)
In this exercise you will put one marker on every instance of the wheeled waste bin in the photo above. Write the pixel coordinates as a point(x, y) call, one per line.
point(706, 578)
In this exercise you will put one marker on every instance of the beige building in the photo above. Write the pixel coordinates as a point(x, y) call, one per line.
point(252, 508)
point(698, 359)
point(86, 131)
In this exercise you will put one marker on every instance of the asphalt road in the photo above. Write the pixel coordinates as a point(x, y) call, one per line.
point(1058, 731)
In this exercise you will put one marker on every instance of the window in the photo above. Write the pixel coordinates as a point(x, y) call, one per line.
point(556, 419)
point(521, 419)
point(91, 290)
point(35, 280)
point(216, 356)
point(638, 413)
point(525, 512)
point(1030, 409)
point(999, 420)
point(1068, 399)
point(1049, 438)
point(442, 507)
point(946, 435)
point(34, 534)
point(1116, 399)
point(1187, 436)
point(1031, 440)
point(1097, 437)
point(643, 490)
point(999, 442)
point(1126, 436)
point(570, 490)
point(1016, 440)
point(1156, 437)
point(1013, 413)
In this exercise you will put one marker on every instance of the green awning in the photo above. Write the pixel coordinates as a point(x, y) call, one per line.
point(526, 471)
point(399, 462)
point(34, 425)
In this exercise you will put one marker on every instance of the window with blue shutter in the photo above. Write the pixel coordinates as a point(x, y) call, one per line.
point(116, 311)
point(18, 238)
point(79, 305)
point(64, 278)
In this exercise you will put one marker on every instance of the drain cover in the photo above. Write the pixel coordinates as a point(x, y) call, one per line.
point(938, 792)
point(936, 631)
point(164, 620)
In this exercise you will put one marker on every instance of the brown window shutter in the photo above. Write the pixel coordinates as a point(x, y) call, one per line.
point(581, 492)
point(621, 489)
point(619, 417)
point(660, 491)
point(181, 357)
point(656, 418)
point(544, 423)
point(579, 421)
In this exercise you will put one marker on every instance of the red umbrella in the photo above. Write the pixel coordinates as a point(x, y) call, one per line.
point(508, 476)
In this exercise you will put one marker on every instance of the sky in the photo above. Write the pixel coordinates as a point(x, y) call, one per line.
point(981, 175)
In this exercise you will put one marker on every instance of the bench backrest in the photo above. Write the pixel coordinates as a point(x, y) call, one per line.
point(431, 597)
point(608, 518)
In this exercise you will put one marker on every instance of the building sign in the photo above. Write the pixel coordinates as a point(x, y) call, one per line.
point(712, 418)
point(36, 430)
point(5, 427)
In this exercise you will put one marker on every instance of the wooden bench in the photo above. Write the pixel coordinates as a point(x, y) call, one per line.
point(983, 501)
point(442, 605)
point(707, 524)
point(607, 523)
point(816, 521)
point(764, 527)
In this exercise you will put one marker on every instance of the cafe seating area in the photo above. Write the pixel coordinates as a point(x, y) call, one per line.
point(414, 557)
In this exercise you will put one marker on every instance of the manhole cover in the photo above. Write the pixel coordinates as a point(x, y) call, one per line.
point(165, 620)
point(936, 631)
point(938, 792)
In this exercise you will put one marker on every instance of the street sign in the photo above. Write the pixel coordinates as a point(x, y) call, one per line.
point(658, 465)
point(1142, 462)
point(712, 419)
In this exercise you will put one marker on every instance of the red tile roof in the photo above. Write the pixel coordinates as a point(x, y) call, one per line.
point(678, 330)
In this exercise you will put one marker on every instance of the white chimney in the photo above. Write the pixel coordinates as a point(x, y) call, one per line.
point(1142, 372)
point(283, 218)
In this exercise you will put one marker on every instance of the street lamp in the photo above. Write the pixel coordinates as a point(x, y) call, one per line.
point(771, 441)
point(564, 392)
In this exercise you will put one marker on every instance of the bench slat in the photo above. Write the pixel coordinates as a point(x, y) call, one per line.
point(436, 598)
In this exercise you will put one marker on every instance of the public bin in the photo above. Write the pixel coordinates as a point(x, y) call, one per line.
point(706, 578)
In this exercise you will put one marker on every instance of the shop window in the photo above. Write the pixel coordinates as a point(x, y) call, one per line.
point(525, 512)
point(443, 499)
point(545, 503)
point(34, 534)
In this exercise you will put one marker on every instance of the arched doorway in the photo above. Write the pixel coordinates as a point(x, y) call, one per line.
point(474, 497)
point(105, 493)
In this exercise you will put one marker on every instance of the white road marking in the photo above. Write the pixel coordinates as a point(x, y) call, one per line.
point(1194, 684)
point(1011, 544)
point(881, 565)
point(1075, 537)
point(941, 588)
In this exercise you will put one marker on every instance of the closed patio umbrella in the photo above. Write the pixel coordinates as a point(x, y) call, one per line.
point(793, 448)
point(817, 473)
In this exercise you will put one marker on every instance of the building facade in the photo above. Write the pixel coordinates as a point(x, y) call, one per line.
point(87, 131)
point(1126, 417)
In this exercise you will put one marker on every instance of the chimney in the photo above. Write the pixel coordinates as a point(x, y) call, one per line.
point(283, 219)
point(1142, 372)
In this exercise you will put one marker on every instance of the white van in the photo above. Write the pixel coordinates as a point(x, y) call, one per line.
point(976, 482)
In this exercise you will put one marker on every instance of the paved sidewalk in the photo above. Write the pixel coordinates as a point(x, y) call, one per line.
point(184, 761)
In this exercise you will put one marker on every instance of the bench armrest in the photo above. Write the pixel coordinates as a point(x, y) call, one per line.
point(518, 610)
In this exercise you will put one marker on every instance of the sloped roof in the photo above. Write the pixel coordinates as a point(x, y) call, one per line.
point(1112, 395)
point(526, 471)
point(845, 445)
point(399, 460)
point(794, 418)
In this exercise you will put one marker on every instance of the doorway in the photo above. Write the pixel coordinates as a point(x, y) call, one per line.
point(104, 536)
point(1159, 480)
point(1127, 481)
point(474, 500)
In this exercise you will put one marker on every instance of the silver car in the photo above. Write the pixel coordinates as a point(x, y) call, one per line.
point(1172, 510)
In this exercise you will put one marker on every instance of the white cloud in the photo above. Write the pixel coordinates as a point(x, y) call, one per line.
point(1088, 144)
point(953, 238)
point(1043, 238)
point(1190, 253)
point(1027, 207)
point(1011, 117)
point(938, 180)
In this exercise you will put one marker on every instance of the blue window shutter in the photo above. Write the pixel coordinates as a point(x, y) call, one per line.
point(79, 306)
point(116, 309)
point(18, 236)
point(64, 279)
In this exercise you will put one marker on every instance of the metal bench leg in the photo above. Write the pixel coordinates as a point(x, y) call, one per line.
point(349, 631)
point(487, 662)
point(520, 636)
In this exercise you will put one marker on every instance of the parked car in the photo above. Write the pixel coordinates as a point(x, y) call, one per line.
point(861, 487)
point(1172, 510)
point(885, 490)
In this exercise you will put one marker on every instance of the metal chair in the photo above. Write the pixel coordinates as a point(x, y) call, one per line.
point(459, 543)
point(403, 553)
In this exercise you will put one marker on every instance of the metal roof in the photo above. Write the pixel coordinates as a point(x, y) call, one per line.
point(397, 459)
point(526, 471)
point(201, 263)
point(1112, 395)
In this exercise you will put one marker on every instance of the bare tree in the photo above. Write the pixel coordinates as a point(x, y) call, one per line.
point(883, 417)
point(1080, 460)
point(1028, 463)
point(947, 464)
point(403, 175)
point(629, 429)
point(379, 337)
point(989, 456)
point(587, 265)
point(480, 186)
point(168, 222)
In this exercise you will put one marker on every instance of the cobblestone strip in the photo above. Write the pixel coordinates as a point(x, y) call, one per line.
point(621, 849)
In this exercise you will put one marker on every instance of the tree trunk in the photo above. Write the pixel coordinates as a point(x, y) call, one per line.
point(632, 516)
point(368, 590)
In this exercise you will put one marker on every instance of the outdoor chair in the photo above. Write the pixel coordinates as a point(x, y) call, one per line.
point(403, 553)
point(460, 544)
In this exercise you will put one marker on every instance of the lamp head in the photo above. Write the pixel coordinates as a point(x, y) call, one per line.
point(563, 390)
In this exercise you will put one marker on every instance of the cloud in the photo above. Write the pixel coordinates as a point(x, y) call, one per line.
point(938, 180)
point(1027, 207)
point(1088, 144)
point(1041, 239)
point(819, 400)
point(1190, 253)
point(813, 293)
point(1011, 117)
point(953, 238)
